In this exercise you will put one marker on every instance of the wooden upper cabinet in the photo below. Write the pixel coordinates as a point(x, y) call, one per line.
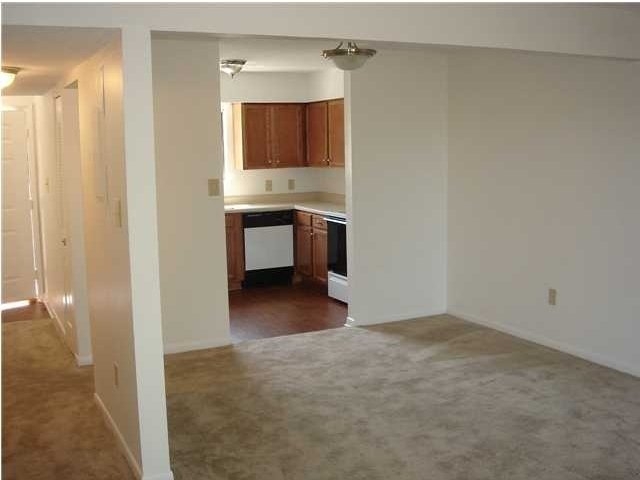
point(335, 115)
point(317, 134)
point(269, 135)
point(287, 134)
point(251, 135)
point(325, 133)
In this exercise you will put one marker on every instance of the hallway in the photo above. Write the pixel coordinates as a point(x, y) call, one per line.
point(52, 426)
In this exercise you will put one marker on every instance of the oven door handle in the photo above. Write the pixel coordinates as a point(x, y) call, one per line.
point(335, 220)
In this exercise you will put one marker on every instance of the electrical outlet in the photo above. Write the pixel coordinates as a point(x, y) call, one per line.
point(116, 375)
point(268, 185)
point(553, 294)
point(292, 184)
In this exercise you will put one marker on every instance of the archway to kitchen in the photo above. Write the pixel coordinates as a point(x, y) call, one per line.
point(287, 198)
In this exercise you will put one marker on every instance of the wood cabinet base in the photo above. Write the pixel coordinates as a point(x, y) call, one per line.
point(311, 247)
point(235, 250)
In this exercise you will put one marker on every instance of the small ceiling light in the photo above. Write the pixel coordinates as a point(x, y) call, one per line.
point(8, 76)
point(349, 58)
point(232, 66)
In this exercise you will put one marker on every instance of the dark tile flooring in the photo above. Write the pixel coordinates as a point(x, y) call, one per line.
point(262, 312)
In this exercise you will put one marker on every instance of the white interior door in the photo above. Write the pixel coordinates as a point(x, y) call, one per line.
point(18, 259)
point(63, 297)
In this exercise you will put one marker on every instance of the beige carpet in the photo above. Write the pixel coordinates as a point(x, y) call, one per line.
point(436, 399)
point(51, 427)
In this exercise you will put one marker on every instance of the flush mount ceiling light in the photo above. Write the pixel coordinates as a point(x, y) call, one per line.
point(8, 76)
point(349, 58)
point(232, 66)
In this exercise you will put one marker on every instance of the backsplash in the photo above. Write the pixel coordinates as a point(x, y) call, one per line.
point(252, 182)
point(287, 198)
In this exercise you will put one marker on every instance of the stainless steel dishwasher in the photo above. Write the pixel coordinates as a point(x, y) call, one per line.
point(268, 247)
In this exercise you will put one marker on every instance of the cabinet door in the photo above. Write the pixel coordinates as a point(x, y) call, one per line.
point(317, 139)
point(336, 132)
point(235, 250)
point(287, 134)
point(303, 251)
point(320, 272)
point(256, 141)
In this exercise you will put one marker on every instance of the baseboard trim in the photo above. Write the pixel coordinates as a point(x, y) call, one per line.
point(84, 360)
point(180, 347)
point(160, 476)
point(547, 342)
point(81, 360)
point(352, 322)
point(56, 320)
point(122, 444)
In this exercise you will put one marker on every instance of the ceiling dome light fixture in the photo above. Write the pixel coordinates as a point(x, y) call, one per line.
point(8, 76)
point(350, 58)
point(232, 66)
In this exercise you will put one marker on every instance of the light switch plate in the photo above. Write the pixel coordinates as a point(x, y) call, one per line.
point(292, 184)
point(214, 187)
point(268, 185)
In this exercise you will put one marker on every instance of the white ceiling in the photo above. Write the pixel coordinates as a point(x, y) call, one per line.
point(45, 53)
point(277, 55)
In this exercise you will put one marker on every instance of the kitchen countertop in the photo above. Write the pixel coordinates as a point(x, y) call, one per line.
point(316, 207)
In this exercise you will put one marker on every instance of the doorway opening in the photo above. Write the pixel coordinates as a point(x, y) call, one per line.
point(284, 188)
point(21, 270)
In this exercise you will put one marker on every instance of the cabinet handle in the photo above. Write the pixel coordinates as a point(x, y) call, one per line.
point(269, 162)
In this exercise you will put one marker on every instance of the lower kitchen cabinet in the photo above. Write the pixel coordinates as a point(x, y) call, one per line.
point(320, 273)
point(311, 247)
point(304, 244)
point(235, 250)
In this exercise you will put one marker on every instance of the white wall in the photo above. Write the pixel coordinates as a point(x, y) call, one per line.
point(327, 84)
point(396, 167)
point(134, 407)
point(544, 168)
point(279, 87)
point(266, 87)
point(107, 245)
point(574, 29)
point(192, 246)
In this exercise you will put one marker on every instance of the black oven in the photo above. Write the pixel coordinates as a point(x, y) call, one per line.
point(337, 245)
